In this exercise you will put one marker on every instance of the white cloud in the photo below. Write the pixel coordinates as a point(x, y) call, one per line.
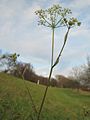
point(6, 12)
point(82, 31)
point(6, 29)
point(29, 13)
point(79, 4)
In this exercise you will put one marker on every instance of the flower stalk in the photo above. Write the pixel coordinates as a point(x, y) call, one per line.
point(55, 17)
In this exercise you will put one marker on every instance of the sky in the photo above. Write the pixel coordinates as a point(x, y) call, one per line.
point(20, 33)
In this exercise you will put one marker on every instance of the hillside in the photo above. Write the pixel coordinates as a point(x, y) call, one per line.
point(61, 104)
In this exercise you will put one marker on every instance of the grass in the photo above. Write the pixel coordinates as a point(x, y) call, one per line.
point(60, 104)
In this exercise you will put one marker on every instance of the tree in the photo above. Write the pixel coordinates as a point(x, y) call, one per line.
point(76, 73)
point(8, 62)
point(88, 70)
point(82, 73)
point(55, 17)
point(29, 72)
point(62, 81)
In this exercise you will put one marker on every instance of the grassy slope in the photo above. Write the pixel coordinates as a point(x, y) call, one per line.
point(61, 104)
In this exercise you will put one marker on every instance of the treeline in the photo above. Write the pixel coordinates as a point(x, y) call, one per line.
point(81, 74)
point(79, 78)
point(30, 75)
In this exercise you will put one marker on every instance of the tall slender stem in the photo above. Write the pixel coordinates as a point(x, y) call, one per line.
point(29, 93)
point(43, 100)
point(49, 78)
point(52, 47)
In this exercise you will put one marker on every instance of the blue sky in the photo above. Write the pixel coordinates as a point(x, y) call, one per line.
point(20, 33)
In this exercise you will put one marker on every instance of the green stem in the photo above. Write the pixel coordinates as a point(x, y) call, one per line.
point(49, 78)
point(52, 67)
point(52, 47)
point(29, 93)
point(60, 53)
point(43, 100)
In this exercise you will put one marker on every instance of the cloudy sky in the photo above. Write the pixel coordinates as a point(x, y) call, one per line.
point(20, 33)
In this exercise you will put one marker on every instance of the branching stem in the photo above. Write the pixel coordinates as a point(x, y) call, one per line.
point(52, 67)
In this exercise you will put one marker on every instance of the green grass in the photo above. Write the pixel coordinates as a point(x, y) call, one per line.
point(60, 104)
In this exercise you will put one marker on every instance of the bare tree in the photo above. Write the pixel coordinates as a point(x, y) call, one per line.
point(88, 70)
point(82, 73)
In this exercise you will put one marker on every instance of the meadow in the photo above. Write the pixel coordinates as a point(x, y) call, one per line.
point(60, 103)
